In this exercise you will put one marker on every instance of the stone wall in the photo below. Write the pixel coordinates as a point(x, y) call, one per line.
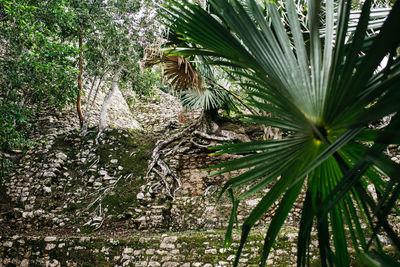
point(184, 249)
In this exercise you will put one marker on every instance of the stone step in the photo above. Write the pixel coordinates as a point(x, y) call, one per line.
point(168, 249)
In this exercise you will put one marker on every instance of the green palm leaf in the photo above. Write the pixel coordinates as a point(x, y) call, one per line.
point(324, 91)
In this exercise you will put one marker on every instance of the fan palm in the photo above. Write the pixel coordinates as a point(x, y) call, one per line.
point(324, 92)
point(186, 79)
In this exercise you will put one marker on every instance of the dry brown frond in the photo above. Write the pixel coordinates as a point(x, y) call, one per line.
point(180, 74)
point(176, 69)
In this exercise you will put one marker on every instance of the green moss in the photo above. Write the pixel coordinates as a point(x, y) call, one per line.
point(87, 229)
point(120, 201)
point(132, 150)
point(87, 258)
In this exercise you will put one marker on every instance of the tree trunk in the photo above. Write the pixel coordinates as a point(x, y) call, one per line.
point(209, 121)
point(106, 102)
point(90, 103)
point(79, 96)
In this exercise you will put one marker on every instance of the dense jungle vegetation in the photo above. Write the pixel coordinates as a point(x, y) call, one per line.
point(321, 77)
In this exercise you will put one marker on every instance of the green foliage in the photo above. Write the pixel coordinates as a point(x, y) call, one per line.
point(325, 95)
point(14, 120)
point(142, 82)
point(39, 53)
point(210, 98)
point(36, 57)
point(5, 166)
point(37, 66)
point(114, 33)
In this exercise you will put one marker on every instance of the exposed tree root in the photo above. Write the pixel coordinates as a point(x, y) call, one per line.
point(161, 144)
point(192, 137)
point(212, 137)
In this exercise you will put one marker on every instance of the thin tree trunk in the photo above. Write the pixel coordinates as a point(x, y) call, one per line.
point(79, 96)
point(86, 116)
point(89, 97)
point(97, 91)
point(106, 102)
point(90, 104)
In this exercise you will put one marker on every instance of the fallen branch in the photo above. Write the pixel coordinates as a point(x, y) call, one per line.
point(103, 195)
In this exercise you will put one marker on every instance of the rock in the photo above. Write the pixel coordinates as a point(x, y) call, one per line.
point(24, 263)
point(47, 189)
point(127, 251)
point(252, 202)
point(231, 257)
point(61, 156)
point(27, 214)
point(50, 246)
point(175, 251)
point(140, 196)
point(8, 244)
point(170, 239)
point(84, 239)
point(150, 251)
point(210, 251)
point(28, 207)
point(385, 241)
point(167, 246)
point(243, 260)
point(107, 177)
point(49, 174)
point(114, 161)
point(54, 263)
point(102, 172)
point(38, 212)
point(50, 238)
point(141, 219)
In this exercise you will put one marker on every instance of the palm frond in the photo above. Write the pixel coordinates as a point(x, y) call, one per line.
point(180, 73)
point(324, 90)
